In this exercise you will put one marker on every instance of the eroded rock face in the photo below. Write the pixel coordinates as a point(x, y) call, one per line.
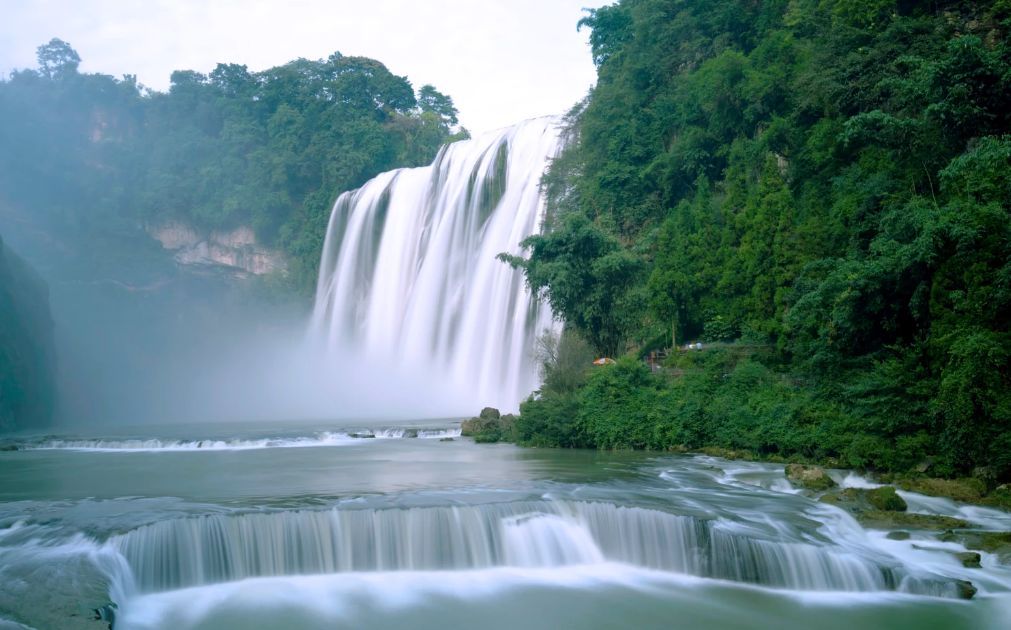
point(236, 249)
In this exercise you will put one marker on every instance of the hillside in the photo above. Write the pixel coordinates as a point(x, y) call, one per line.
point(823, 179)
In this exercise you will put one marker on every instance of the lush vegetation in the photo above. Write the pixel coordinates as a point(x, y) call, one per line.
point(818, 186)
point(26, 345)
point(92, 155)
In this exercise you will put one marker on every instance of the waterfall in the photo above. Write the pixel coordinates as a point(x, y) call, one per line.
point(409, 274)
point(225, 547)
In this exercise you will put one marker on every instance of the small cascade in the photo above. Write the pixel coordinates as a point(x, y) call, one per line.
point(219, 548)
point(317, 439)
point(409, 275)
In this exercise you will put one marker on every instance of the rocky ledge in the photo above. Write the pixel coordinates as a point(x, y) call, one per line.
point(236, 250)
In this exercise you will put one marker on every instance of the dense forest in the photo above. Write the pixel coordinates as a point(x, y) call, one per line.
point(815, 190)
point(27, 356)
point(91, 155)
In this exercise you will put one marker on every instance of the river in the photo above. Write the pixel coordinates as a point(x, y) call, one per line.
point(300, 525)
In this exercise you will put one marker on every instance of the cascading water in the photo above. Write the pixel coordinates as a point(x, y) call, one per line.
point(409, 275)
point(221, 548)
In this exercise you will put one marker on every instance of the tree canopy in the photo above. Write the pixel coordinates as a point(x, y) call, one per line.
point(269, 149)
point(824, 178)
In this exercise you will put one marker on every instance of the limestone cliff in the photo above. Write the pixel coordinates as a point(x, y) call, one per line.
point(235, 249)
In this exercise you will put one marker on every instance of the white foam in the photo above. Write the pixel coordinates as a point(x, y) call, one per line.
point(324, 438)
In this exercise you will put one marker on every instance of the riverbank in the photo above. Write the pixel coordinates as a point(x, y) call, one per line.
point(491, 426)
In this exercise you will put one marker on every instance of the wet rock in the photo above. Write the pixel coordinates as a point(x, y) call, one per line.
point(809, 477)
point(886, 499)
point(106, 613)
point(897, 535)
point(965, 589)
point(859, 501)
point(8, 446)
point(997, 543)
point(447, 439)
point(880, 519)
point(852, 500)
point(410, 433)
point(969, 559)
point(362, 435)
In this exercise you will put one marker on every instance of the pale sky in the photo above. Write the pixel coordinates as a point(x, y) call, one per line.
point(501, 60)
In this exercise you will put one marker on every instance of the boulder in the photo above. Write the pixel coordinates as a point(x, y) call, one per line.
point(858, 500)
point(410, 433)
point(885, 498)
point(446, 439)
point(897, 535)
point(809, 477)
point(969, 559)
point(965, 589)
point(489, 413)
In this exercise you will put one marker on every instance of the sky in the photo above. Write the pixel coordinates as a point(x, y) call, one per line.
point(501, 61)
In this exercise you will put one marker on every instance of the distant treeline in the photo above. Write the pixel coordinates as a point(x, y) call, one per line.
point(825, 180)
point(92, 154)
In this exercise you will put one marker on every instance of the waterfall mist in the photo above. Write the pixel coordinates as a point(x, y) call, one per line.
point(414, 315)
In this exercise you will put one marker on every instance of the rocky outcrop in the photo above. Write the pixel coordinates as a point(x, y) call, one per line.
point(235, 249)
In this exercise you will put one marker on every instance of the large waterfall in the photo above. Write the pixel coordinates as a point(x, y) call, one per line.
point(409, 274)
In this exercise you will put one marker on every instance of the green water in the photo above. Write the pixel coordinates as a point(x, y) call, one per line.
point(292, 525)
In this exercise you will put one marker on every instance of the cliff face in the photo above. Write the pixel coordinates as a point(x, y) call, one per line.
point(235, 249)
point(27, 356)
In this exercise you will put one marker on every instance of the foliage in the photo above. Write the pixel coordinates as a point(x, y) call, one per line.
point(268, 149)
point(824, 178)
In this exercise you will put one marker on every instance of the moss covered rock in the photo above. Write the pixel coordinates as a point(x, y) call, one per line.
point(997, 543)
point(969, 559)
point(965, 589)
point(809, 477)
point(1000, 497)
point(966, 489)
point(885, 498)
